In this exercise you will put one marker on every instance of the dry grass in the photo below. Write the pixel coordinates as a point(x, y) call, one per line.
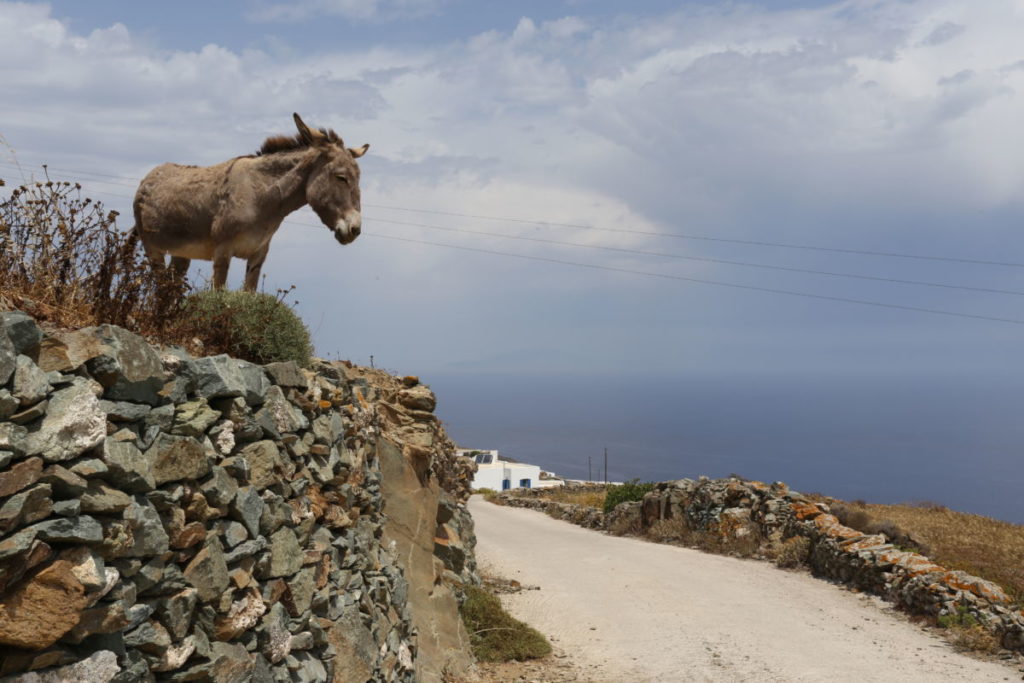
point(982, 546)
point(590, 497)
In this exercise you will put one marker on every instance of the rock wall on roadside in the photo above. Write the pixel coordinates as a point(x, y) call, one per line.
point(164, 517)
point(731, 508)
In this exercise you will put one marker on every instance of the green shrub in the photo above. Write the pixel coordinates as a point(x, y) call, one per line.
point(494, 635)
point(631, 490)
point(253, 326)
point(488, 494)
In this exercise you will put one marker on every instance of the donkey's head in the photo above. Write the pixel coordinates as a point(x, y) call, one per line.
point(333, 187)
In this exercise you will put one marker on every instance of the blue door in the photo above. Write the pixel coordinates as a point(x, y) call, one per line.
point(506, 484)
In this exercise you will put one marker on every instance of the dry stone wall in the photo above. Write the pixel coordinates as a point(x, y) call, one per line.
point(728, 509)
point(164, 517)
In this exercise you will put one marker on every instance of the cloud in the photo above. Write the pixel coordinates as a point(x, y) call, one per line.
point(353, 10)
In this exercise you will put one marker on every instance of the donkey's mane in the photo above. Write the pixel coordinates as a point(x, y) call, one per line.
point(290, 143)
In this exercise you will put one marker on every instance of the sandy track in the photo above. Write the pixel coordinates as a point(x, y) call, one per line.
point(629, 610)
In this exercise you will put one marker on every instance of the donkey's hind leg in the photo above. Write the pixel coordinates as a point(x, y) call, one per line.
point(253, 267)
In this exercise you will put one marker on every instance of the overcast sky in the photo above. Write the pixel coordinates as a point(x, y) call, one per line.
point(868, 126)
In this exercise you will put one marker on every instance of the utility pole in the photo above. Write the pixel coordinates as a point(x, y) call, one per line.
point(605, 465)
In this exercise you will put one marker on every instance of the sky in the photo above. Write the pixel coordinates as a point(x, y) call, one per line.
point(583, 186)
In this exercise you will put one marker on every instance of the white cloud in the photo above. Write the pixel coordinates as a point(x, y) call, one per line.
point(355, 10)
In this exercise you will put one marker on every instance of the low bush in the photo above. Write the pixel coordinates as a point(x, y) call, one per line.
point(965, 633)
point(253, 326)
point(793, 552)
point(488, 494)
point(621, 493)
point(496, 636)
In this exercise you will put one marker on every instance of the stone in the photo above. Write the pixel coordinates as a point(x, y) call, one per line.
point(177, 457)
point(243, 615)
point(37, 612)
point(13, 438)
point(220, 488)
point(19, 476)
point(208, 572)
point(302, 586)
point(101, 499)
point(223, 436)
point(87, 566)
point(245, 549)
point(286, 374)
point(189, 535)
point(67, 508)
point(30, 385)
point(30, 414)
point(193, 418)
point(89, 467)
point(161, 417)
point(65, 483)
point(264, 460)
point(275, 640)
point(80, 529)
point(99, 667)
point(124, 411)
point(233, 533)
point(8, 354)
point(123, 362)
point(220, 376)
point(8, 403)
point(150, 637)
point(247, 508)
point(17, 544)
point(130, 468)
point(285, 553)
point(26, 507)
point(23, 332)
point(228, 663)
point(147, 529)
point(278, 416)
point(355, 648)
point(73, 424)
point(418, 397)
point(310, 669)
point(109, 618)
point(175, 612)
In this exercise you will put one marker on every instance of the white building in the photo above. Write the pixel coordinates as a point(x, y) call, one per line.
point(494, 473)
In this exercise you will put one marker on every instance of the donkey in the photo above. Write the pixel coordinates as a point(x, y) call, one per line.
point(234, 208)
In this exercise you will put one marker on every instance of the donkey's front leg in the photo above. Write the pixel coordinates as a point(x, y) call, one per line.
point(252, 268)
point(220, 270)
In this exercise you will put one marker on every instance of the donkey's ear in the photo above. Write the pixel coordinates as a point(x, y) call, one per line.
point(308, 135)
point(358, 151)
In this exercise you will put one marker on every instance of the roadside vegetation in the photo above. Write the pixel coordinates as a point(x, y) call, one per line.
point(64, 261)
point(494, 634)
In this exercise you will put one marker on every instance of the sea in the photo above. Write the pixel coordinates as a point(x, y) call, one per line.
point(957, 441)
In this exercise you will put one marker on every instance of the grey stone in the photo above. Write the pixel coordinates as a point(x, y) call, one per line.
point(208, 571)
point(7, 355)
point(328, 429)
point(30, 414)
point(130, 468)
point(73, 424)
point(137, 614)
point(150, 637)
point(99, 667)
point(285, 553)
point(67, 508)
point(5, 459)
point(65, 483)
point(220, 488)
point(216, 376)
point(274, 638)
point(255, 380)
point(278, 416)
point(276, 513)
point(193, 418)
point(31, 505)
point(87, 566)
point(161, 417)
point(101, 499)
point(228, 663)
point(233, 533)
point(13, 438)
point(310, 669)
point(148, 575)
point(89, 467)
point(286, 374)
point(302, 586)
point(177, 457)
point(245, 549)
point(147, 529)
point(23, 332)
point(247, 507)
point(124, 411)
point(8, 404)
point(128, 368)
point(302, 641)
point(18, 543)
point(30, 385)
point(175, 612)
point(81, 529)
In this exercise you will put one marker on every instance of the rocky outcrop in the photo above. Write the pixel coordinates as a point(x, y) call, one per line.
point(164, 517)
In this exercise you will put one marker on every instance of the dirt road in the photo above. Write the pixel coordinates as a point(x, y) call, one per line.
point(629, 610)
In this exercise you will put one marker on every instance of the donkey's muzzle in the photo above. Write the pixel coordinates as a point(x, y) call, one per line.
point(349, 227)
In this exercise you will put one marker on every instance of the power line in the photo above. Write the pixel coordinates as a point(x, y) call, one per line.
point(648, 233)
point(825, 297)
point(704, 259)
